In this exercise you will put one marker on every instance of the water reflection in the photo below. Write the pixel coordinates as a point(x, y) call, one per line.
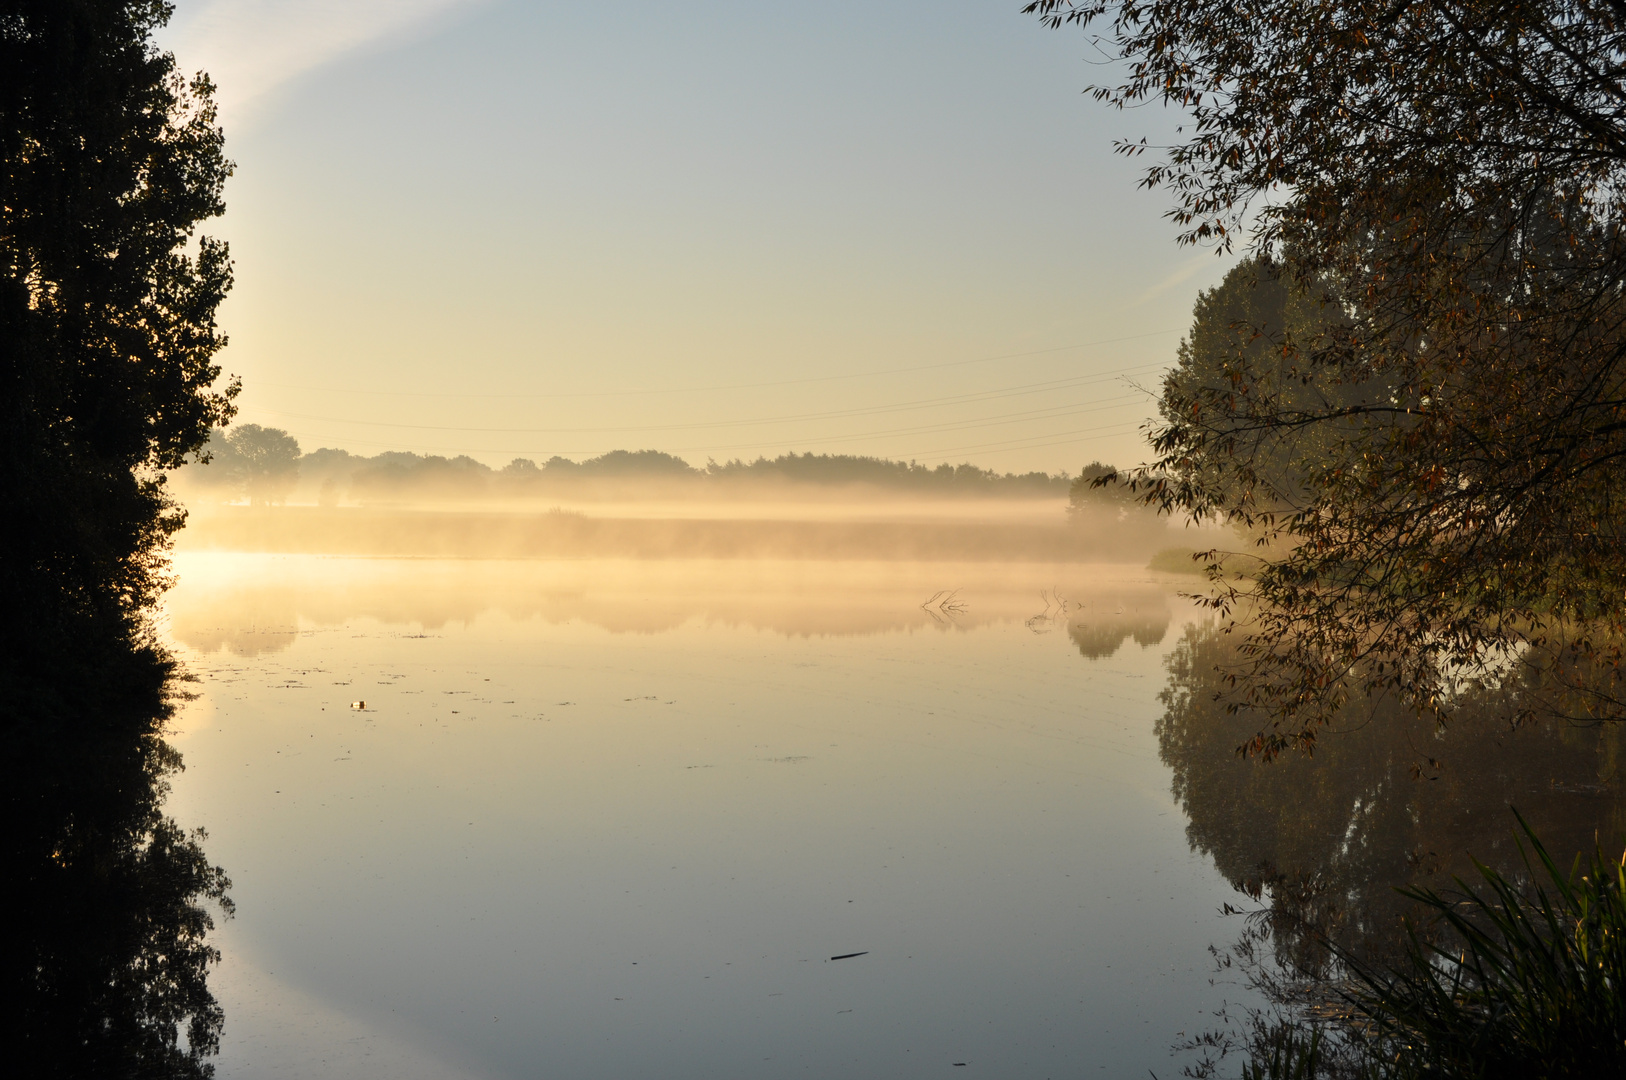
point(1103, 635)
point(261, 612)
point(617, 816)
point(1386, 801)
point(110, 901)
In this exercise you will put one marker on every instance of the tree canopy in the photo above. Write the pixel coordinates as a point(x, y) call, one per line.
point(260, 462)
point(394, 475)
point(1430, 443)
point(107, 298)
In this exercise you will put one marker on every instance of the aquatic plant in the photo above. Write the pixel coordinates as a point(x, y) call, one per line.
point(1525, 982)
point(1514, 979)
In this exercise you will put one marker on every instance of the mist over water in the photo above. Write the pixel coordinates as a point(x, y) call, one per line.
point(696, 777)
point(258, 493)
point(617, 816)
point(546, 713)
point(222, 609)
point(709, 816)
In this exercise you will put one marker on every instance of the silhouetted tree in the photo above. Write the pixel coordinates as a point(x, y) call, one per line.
point(1447, 180)
point(396, 474)
point(264, 461)
point(107, 345)
point(107, 302)
point(852, 469)
point(1088, 489)
point(521, 469)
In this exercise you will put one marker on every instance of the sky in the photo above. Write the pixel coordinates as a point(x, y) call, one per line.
point(521, 228)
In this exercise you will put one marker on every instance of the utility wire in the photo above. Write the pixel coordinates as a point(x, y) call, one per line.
point(1048, 412)
point(735, 386)
point(867, 410)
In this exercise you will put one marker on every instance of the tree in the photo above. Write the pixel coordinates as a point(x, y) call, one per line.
point(264, 462)
point(107, 379)
point(1083, 492)
point(1444, 180)
point(107, 302)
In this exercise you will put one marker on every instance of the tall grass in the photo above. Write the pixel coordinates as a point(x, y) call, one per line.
point(1521, 980)
point(1286, 1051)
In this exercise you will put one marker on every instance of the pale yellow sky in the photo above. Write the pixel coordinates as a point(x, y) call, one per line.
point(720, 229)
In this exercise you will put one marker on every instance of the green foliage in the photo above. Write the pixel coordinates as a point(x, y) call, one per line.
point(1519, 976)
point(1248, 340)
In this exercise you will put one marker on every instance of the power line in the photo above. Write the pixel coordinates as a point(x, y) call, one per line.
point(698, 426)
point(1089, 435)
point(868, 410)
point(735, 386)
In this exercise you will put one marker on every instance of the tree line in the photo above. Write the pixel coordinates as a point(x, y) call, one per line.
point(264, 465)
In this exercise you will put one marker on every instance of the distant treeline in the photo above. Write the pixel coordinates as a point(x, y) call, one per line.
point(266, 465)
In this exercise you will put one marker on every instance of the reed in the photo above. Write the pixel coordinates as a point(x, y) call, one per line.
point(1287, 1051)
point(1527, 982)
point(1524, 978)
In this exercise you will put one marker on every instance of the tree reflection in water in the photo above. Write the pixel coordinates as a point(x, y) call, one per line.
point(110, 901)
point(1101, 637)
point(1386, 801)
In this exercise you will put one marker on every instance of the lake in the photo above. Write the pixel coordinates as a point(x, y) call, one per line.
point(691, 818)
point(612, 819)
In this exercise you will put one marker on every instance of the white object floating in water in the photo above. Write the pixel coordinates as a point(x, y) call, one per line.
point(358, 704)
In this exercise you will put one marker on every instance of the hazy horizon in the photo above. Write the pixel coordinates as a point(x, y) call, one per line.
point(739, 539)
point(519, 230)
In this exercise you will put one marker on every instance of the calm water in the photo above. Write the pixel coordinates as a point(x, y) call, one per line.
point(615, 819)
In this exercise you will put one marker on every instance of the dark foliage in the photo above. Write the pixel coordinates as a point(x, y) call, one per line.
point(107, 300)
point(1387, 801)
point(1089, 490)
point(107, 340)
point(107, 900)
point(1503, 976)
point(1525, 981)
point(399, 475)
point(1377, 958)
point(1448, 179)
